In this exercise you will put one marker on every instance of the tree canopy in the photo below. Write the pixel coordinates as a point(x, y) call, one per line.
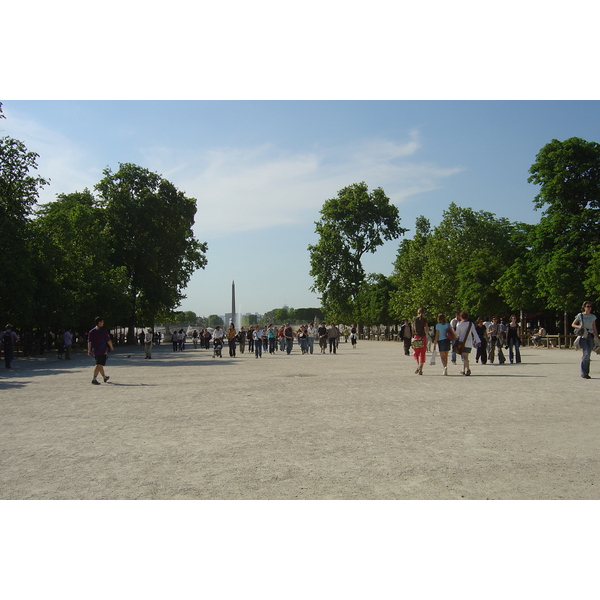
point(126, 254)
point(566, 242)
point(149, 223)
point(355, 222)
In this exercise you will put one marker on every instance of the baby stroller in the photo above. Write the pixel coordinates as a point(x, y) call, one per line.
point(217, 347)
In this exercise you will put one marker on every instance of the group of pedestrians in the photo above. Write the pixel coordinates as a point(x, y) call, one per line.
point(460, 336)
point(272, 338)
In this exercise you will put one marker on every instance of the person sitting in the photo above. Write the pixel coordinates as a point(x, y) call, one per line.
point(541, 333)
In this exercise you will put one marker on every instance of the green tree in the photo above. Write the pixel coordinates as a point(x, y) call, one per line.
point(308, 315)
point(73, 248)
point(374, 301)
point(565, 241)
point(19, 191)
point(458, 265)
point(355, 222)
point(214, 320)
point(150, 228)
point(408, 269)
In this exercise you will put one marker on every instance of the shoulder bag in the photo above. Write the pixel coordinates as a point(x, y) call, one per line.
point(459, 347)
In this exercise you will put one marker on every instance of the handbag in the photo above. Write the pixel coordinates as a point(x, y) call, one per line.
point(450, 334)
point(459, 347)
point(417, 342)
point(581, 330)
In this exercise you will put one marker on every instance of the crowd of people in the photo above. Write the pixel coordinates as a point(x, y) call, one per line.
point(456, 339)
point(462, 337)
point(269, 339)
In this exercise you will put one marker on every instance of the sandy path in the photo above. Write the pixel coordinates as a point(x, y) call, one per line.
point(357, 425)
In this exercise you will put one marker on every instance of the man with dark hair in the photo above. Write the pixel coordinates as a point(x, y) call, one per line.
point(98, 342)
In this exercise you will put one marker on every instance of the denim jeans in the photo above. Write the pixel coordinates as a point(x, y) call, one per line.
point(516, 343)
point(311, 344)
point(288, 345)
point(587, 345)
point(257, 348)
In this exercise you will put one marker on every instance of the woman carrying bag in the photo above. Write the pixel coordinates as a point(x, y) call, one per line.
point(467, 339)
point(419, 340)
point(585, 326)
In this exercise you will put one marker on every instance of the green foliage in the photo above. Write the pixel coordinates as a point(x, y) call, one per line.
point(19, 190)
point(564, 249)
point(248, 320)
point(214, 320)
point(355, 222)
point(149, 223)
point(126, 255)
point(184, 317)
point(457, 265)
point(72, 246)
point(373, 300)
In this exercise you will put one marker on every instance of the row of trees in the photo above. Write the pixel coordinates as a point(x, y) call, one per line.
point(125, 250)
point(472, 260)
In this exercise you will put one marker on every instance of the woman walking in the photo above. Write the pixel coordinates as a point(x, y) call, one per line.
point(512, 339)
point(353, 336)
point(468, 338)
point(585, 323)
point(231, 339)
point(419, 340)
point(443, 339)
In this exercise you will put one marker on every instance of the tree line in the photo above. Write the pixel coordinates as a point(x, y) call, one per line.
point(473, 260)
point(125, 249)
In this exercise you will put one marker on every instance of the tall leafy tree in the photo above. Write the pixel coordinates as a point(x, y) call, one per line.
point(19, 191)
point(457, 265)
point(150, 223)
point(355, 222)
point(565, 240)
point(73, 246)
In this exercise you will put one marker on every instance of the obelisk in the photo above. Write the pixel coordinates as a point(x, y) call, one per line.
point(233, 302)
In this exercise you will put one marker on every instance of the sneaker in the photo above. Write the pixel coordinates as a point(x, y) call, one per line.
point(95, 382)
point(106, 378)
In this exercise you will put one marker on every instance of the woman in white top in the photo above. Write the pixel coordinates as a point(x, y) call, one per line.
point(586, 320)
point(465, 332)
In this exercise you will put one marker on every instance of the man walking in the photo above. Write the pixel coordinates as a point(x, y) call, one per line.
point(406, 336)
point(289, 338)
point(98, 342)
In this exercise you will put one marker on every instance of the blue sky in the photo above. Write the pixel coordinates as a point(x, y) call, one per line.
point(261, 170)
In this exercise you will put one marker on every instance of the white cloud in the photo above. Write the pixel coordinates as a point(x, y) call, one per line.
point(246, 189)
point(261, 187)
point(60, 160)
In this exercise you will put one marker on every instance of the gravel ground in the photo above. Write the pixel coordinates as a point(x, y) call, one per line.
point(357, 425)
